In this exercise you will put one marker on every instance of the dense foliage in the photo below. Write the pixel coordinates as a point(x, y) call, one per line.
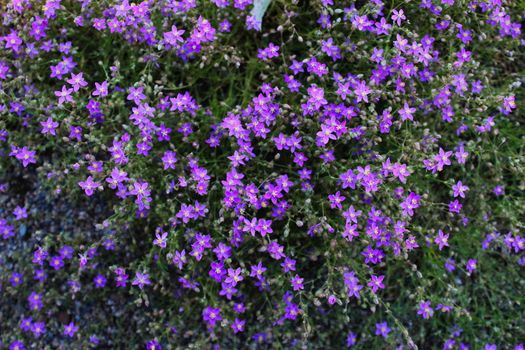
point(316, 174)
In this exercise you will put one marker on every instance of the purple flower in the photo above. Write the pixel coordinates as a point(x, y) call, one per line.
point(169, 159)
point(38, 328)
point(100, 281)
point(238, 325)
point(153, 345)
point(174, 37)
point(64, 95)
point(441, 159)
point(406, 113)
point(136, 94)
point(35, 301)
point(234, 276)
point(455, 206)
point(13, 41)
point(16, 279)
point(89, 185)
point(268, 53)
point(425, 309)
point(264, 227)
point(179, 259)
point(160, 239)
point(141, 280)
point(376, 282)
point(410, 203)
point(352, 284)
point(441, 239)
point(211, 315)
point(257, 271)
point(459, 189)
point(17, 345)
point(70, 329)
point(498, 190)
point(77, 81)
point(461, 155)
point(471, 265)
point(450, 265)
point(25, 155)
point(75, 132)
point(288, 264)
point(382, 329)
point(101, 89)
point(275, 250)
point(121, 277)
point(351, 339)
point(20, 213)
point(297, 283)
point(222, 251)
point(56, 262)
point(336, 200)
point(362, 91)
point(49, 126)
point(398, 16)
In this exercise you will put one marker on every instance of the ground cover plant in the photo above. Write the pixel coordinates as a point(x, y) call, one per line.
point(241, 174)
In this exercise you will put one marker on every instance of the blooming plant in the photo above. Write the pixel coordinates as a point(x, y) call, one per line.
point(182, 174)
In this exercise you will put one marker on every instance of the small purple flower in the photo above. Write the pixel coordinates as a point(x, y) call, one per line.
point(35, 301)
point(26, 156)
point(459, 189)
point(398, 16)
point(382, 329)
point(264, 227)
point(121, 277)
point(64, 95)
point(351, 339)
point(153, 345)
point(238, 325)
point(160, 239)
point(70, 329)
point(471, 265)
point(17, 345)
point(20, 213)
point(169, 159)
point(376, 282)
point(441, 239)
point(425, 309)
point(450, 265)
point(77, 81)
point(56, 262)
point(49, 126)
point(336, 200)
point(141, 280)
point(101, 89)
point(455, 206)
point(499, 190)
point(100, 281)
point(136, 94)
point(16, 279)
point(234, 276)
point(174, 37)
point(406, 113)
point(38, 328)
point(211, 315)
point(75, 132)
point(410, 203)
point(89, 185)
point(297, 283)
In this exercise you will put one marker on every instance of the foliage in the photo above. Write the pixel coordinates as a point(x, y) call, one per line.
point(183, 174)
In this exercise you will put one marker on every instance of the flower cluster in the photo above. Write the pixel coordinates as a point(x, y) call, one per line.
point(329, 175)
